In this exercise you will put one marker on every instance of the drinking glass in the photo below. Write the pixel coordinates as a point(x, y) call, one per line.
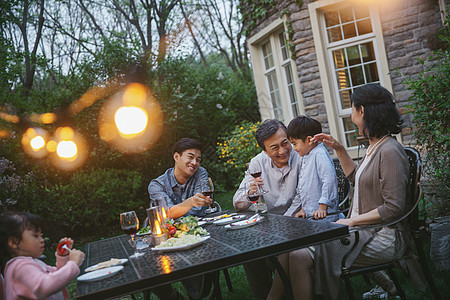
point(208, 191)
point(255, 171)
point(130, 225)
point(253, 193)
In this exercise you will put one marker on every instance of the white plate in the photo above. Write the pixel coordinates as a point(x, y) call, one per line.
point(242, 224)
point(183, 247)
point(100, 274)
point(215, 218)
point(200, 223)
point(92, 268)
point(229, 220)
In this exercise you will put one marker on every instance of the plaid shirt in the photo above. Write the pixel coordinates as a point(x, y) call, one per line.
point(167, 187)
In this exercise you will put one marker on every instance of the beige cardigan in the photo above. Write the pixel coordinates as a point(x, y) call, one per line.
point(383, 183)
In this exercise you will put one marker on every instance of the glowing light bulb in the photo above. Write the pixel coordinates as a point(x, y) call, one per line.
point(131, 120)
point(66, 149)
point(37, 143)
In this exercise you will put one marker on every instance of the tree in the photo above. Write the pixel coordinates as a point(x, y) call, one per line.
point(23, 26)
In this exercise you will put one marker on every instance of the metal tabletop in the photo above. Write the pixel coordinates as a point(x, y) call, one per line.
point(225, 248)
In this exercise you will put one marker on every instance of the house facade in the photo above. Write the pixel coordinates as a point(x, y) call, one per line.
point(308, 56)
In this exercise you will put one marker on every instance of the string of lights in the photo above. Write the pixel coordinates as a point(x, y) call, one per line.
point(130, 121)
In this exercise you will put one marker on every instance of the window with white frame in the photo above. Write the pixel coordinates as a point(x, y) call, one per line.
point(271, 56)
point(352, 52)
point(350, 44)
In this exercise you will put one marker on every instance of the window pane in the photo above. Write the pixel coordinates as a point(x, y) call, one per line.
point(334, 34)
point(364, 26)
point(288, 72)
point(339, 59)
point(367, 52)
point(284, 50)
point(361, 12)
point(345, 98)
point(346, 14)
point(343, 79)
point(353, 55)
point(371, 72)
point(350, 132)
point(267, 53)
point(349, 30)
point(291, 90)
point(357, 75)
point(331, 18)
point(275, 95)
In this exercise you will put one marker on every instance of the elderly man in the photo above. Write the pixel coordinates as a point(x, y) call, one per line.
point(279, 167)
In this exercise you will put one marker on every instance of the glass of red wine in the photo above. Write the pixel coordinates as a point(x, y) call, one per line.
point(253, 193)
point(130, 225)
point(208, 191)
point(255, 170)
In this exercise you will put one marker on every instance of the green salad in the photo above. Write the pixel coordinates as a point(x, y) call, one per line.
point(184, 225)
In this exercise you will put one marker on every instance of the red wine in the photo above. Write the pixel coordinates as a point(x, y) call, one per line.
point(253, 198)
point(208, 193)
point(131, 230)
point(256, 175)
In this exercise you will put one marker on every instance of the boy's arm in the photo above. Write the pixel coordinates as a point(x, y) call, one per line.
point(327, 174)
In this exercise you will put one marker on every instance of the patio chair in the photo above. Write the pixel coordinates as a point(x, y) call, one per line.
point(412, 221)
point(344, 189)
point(2, 292)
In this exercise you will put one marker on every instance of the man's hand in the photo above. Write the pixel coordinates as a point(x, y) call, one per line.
point(321, 212)
point(200, 200)
point(301, 213)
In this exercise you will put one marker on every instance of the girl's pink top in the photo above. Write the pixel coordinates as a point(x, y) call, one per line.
point(28, 278)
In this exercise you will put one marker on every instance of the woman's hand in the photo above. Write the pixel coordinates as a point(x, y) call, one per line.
point(347, 164)
point(77, 257)
point(327, 140)
point(348, 222)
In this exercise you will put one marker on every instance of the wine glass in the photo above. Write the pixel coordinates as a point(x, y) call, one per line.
point(255, 171)
point(130, 225)
point(253, 193)
point(208, 191)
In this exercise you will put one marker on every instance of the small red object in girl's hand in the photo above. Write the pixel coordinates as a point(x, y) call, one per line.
point(60, 248)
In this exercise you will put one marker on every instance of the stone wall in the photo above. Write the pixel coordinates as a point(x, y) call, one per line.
point(406, 24)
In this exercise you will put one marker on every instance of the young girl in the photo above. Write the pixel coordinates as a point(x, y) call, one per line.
point(26, 277)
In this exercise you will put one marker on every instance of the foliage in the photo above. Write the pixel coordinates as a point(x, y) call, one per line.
point(252, 11)
point(237, 148)
point(430, 107)
point(89, 198)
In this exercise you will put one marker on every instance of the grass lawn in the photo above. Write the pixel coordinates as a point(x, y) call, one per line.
point(241, 289)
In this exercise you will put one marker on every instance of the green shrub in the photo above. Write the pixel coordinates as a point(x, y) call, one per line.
point(88, 204)
point(237, 148)
point(93, 200)
point(430, 107)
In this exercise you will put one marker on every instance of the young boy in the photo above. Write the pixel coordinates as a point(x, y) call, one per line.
point(317, 185)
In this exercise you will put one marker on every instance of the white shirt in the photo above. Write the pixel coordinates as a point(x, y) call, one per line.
point(281, 184)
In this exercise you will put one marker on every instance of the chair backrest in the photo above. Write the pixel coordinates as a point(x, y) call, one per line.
point(2, 289)
point(413, 192)
point(344, 187)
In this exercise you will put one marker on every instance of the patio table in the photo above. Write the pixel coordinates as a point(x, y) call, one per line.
point(225, 248)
